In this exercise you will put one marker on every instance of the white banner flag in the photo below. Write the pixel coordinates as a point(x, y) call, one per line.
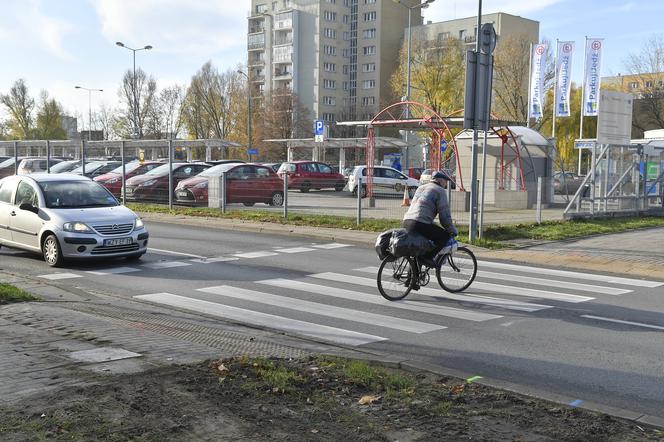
point(538, 58)
point(591, 81)
point(563, 77)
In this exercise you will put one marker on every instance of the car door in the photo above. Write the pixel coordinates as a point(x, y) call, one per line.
point(264, 184)
point(24, 224)
point(396, 181)
point(379, 180)
point(240, 185)
point(7, 189)
point(326, 175)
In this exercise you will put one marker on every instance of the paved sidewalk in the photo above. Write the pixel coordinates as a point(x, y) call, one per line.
point(636, 253)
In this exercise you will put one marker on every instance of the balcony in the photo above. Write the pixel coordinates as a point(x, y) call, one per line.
point(256, 29)
point(282, 75)
point(260, 78)
point(283, 24)
point(283, 41)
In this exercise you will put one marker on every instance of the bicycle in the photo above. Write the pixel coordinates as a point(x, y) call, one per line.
point(397, 276)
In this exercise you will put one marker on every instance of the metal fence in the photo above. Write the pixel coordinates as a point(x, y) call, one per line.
point(98, 157)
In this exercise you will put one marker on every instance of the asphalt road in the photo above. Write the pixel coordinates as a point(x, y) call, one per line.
point(588, 337)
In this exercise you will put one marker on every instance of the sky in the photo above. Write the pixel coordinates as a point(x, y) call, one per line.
point(55, 45)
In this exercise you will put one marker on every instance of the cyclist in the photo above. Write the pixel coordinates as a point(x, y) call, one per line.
point(429, 201)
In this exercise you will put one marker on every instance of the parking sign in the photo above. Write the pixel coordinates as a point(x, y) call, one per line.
point(319, 131)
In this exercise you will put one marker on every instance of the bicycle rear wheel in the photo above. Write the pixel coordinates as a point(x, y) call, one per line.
point(396, 277)
point(459, 272)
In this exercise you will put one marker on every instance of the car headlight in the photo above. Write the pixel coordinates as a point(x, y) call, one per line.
point(113, 181)
point(148, 183)
point(202, 185)
point(76, 227)
point(138, 224)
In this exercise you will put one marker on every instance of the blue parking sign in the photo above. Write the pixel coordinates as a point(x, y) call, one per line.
point(319, 127)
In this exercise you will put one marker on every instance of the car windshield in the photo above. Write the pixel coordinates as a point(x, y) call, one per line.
point(7, 162)
point(218, 169)
point(162, 170)
point(129, 167)
point(76, 195)
point(65, 166)
point(287, 167)
point(89, 167)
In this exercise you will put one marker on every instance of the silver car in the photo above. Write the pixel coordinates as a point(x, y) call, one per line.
point(66, 216)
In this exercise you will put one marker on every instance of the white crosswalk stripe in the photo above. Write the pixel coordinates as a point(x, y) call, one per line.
point(114, 271)
point(166, 265)
point(295, 250)
point(468, 297)
point(322, 309)
point(332, 334)
point(58, 276)
point(215, 259)
point(570, 274)
point(250, 255)
point(553, 283)
point(374, 298)
point(511, 290)
point(333, 245)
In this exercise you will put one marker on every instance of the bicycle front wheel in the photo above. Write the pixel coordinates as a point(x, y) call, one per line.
point(396, 277)
point(457, 271)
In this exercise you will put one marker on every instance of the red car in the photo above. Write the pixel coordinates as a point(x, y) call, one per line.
point(415, 172)
point(246, 183)
point(153, 185)
point(113, 179)
point(306, 175)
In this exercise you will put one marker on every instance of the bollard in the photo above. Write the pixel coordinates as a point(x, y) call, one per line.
point(285, 196)
point(222, 189)
point(359, 200)
point(539, 200)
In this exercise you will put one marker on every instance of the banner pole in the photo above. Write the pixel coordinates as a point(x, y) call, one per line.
point(530, 80)
point(555, 90)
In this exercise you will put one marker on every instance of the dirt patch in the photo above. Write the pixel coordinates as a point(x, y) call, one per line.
point(318, 398)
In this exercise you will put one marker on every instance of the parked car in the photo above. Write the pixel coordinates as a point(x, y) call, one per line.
point(273, 166)
point(245, 183)
point(66, 166)
point(66, 216)
point(153, 185)
point(97, 168)
point(7, 167)
point(35, 165)
point(425, 177)
point(113, 179)
point(566, 183)
point(415, 172)
point(386, 180)
point(307, 175)
point(218, 162)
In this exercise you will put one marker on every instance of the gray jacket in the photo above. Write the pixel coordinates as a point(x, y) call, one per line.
point(431, 200)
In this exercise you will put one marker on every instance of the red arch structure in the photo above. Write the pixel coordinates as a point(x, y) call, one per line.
point(509, 141)
point(410, 115)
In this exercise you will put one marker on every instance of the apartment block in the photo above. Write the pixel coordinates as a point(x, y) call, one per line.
point(465, 29)
point(336, 55)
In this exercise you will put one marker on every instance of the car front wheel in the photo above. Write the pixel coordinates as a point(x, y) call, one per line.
point(52, 252)
point(277, 199)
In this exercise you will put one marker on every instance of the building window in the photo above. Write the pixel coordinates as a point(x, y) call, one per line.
point(329, 84)
point(462, 34)
point(346, 85)
point(345, 53)
point(330, 50)
point(331, 1)
point(261, 8)
point(328, 116)
point(634, 85)
point(345, 69)
point(330, 16)
point(329, 101)
point(369, 67)
point(649, 83)
point(368, 101)
point(370, 16)
point(329, 67)
point(369, 33)
point(443, 36)
point(369, 2)
point(368, 84)
point(369, 50)
point(330, 33)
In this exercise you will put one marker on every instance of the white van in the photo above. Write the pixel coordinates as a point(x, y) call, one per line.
point(386, 181)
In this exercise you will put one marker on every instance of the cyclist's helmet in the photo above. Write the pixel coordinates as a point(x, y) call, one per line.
point(440, 174)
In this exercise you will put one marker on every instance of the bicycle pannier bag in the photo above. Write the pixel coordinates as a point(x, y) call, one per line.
point(383, 243)
point(403, 243)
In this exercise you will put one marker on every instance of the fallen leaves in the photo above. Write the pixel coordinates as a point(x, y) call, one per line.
point(368, 399)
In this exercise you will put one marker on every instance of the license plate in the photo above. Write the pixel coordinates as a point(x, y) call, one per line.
point(118, 242)
point(129, 191)
point(182, 193)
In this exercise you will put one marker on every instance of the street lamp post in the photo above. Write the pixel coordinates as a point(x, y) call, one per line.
point(250, 143)
point(135, 97)
point(410, 8)
point(90, 91)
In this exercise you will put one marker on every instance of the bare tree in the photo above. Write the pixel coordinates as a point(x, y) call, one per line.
point(104, 118)
point(137, 98)
point(171, 105)
point(20, 106)
point(647, 67)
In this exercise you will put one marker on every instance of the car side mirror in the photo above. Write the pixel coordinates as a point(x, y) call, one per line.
point(29, 207)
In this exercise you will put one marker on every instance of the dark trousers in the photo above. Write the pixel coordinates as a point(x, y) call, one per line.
point(435, 233)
